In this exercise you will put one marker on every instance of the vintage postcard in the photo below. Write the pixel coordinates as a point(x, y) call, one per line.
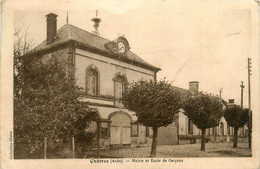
point(133, 84)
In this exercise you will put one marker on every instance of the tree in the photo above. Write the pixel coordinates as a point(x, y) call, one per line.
point(21, 46)
point(205, 111)
point(49, 105)
point(236, 117)
point(155, 104)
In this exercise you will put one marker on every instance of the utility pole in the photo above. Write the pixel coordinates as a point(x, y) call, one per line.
point(249, 105)
point(242, 87)
point(216, 129)
point(242, 97)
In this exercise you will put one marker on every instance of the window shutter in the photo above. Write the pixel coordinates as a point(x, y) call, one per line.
point(90, 83)
point(91, 80)
point(94, 85)
point(120, 88)
point(116, 90)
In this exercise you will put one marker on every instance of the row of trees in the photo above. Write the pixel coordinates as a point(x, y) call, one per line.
point(46, 104)
point(156, 103)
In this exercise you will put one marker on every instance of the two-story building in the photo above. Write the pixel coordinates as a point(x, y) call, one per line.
point(103, 68)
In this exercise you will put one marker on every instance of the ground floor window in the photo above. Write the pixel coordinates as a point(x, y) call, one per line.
point(190, 127)
point(134, 130)
point(104, 130)
point(207, 132)
point(151, 131)
point(91, 127)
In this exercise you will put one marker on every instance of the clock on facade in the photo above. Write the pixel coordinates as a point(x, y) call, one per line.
point(121, 47)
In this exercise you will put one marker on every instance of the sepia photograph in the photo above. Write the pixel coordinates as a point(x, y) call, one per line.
point(132, 82)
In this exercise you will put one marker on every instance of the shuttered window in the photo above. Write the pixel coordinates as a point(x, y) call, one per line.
point(134, 129)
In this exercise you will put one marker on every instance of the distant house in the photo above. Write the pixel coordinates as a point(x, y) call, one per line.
point(103, 68)
point(183, 131)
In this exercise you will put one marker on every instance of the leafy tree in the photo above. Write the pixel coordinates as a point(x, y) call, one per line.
point(155, 104)
point(236, 117)
point(49, 106)
point(205, 111)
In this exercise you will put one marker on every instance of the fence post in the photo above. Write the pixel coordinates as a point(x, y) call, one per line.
point(45, 148)
point(98, 137)
point(73, 147)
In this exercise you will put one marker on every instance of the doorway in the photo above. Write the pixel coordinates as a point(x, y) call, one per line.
point(120, 132)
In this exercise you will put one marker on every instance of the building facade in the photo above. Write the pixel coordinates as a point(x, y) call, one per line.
point(103, 68)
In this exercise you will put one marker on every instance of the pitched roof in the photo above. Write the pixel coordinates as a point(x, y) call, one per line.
point(69, 32)
point(184, 93)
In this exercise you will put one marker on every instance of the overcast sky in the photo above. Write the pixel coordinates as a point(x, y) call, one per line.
point(205, 41)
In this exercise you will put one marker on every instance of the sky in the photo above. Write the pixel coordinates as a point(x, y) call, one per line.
point(204, 41)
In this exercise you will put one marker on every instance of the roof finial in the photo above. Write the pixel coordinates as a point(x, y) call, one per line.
point(96, 21)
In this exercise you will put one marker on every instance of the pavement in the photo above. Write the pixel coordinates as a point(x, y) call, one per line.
point(187, 150)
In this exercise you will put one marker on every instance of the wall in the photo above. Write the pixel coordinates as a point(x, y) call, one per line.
point(167, 135)
point(182, 123)
point(108, 69)
point(61, 54)
point(196, 131)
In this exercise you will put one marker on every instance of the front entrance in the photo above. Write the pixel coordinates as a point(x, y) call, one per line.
point(120, 132)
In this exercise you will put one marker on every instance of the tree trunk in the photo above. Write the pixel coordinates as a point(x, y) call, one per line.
point(154, 142)
point(203, 140)
point(235, 137)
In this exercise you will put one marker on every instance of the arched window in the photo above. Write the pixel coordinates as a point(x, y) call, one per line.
point(120, 86)
point(92, 81)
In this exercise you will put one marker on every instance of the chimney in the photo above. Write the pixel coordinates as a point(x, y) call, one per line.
point(51, 27)
point(231, 101)
point(194, 87)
